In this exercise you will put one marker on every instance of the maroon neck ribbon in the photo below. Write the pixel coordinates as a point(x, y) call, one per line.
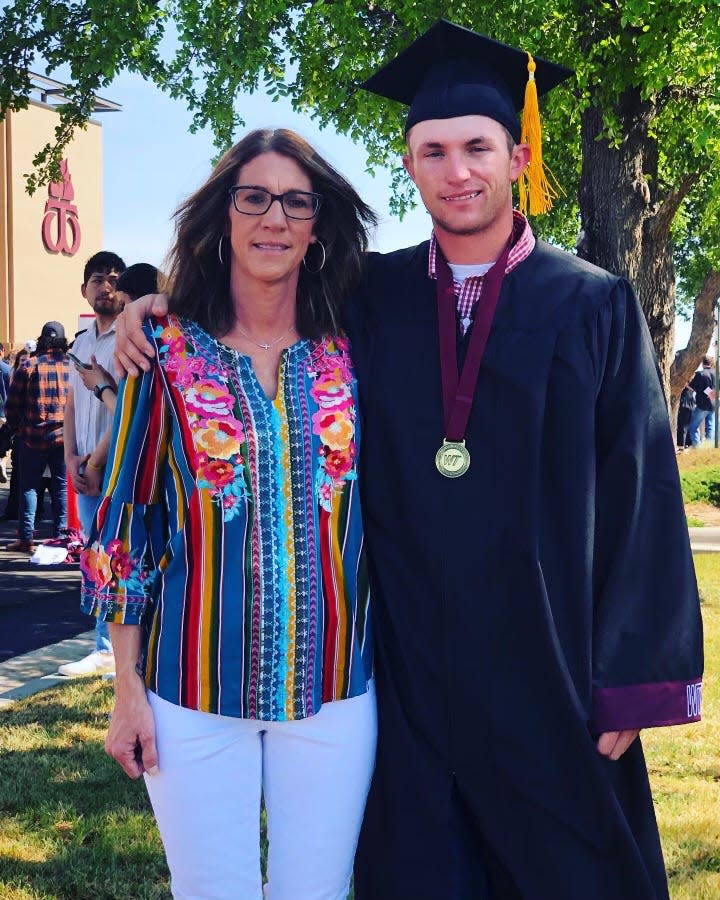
point(459, 390)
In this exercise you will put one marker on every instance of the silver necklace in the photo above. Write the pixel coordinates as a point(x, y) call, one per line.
point(261, 345)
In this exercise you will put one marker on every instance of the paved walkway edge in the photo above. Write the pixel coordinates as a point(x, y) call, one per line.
point(24, 675)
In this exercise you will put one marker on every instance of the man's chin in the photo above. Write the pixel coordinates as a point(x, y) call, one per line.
point(467, 229)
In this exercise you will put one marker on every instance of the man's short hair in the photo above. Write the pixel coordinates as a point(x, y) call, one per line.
point(105, 261)
point(708, 360)
point(2, 347)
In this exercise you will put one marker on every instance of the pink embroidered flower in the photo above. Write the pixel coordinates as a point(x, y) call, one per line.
point(209, 398)
point(325, 494)
point(186, 368)
point(339, 462)
point(121, 565)
point(331, 391)
point(219, 438)
point(334, 428)
point(114, 546)
point(177, 346)
point(217, 473)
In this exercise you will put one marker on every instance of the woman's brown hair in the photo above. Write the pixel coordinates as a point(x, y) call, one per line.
point(199, 284)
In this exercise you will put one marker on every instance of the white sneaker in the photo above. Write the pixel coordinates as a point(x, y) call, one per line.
point(95, 663)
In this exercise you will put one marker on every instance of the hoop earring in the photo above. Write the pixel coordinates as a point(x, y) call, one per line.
point(319, 244)
point(220, 256)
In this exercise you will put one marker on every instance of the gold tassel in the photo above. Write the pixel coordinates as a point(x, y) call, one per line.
point(537, 185)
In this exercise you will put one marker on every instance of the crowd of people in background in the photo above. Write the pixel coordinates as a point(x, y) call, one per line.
point(696, 411)
point(56, 404)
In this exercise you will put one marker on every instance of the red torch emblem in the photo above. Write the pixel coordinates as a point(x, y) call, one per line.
point(61, 226)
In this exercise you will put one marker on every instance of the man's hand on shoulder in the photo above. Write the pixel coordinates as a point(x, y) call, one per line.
point(613, 744)
point(133, 351)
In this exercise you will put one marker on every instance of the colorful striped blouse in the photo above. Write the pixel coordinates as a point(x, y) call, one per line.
point(230, 528)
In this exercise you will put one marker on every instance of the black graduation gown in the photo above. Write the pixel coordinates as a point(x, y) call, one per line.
point(545, 597)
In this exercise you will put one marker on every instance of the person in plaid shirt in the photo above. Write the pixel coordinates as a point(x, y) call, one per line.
point(35, 408)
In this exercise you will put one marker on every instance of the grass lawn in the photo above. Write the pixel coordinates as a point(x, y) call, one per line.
point(73, 827)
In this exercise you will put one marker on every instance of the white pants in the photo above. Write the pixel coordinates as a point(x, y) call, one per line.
point(314, 774)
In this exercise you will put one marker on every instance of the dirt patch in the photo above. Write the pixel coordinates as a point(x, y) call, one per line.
point(705, 512)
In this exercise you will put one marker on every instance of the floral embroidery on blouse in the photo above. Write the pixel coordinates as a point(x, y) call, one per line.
point(114, 568)
point(218, 436)
point(334, 423)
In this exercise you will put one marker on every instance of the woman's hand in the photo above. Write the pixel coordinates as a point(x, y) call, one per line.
point(131, 737)
point(132, 349)
point(96, 375)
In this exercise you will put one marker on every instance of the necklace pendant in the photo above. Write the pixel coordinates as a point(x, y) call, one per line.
point(452, 459)
point(264, 346)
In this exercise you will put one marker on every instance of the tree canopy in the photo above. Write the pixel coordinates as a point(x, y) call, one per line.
point(646, 94)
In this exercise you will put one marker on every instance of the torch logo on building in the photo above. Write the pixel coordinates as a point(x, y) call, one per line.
point(61, 225)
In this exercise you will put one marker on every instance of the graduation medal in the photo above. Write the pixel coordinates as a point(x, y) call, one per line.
point(458, 388)
point(452, 459)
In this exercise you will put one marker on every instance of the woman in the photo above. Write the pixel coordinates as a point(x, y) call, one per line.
point(228, 552)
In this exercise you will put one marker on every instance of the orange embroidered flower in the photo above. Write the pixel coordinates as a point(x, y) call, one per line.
point(219, 438)
point(95, 563)
point(334, 428)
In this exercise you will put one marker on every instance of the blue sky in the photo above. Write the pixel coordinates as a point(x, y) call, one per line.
point(152, 162)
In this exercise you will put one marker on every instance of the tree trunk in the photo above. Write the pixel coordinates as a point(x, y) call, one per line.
point(624, 227)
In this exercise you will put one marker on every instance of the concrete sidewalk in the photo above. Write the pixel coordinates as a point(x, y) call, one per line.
point(41, 626)
point(31, 672)
point(705, 540)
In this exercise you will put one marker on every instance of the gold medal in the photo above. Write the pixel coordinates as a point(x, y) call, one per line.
point(452, 459)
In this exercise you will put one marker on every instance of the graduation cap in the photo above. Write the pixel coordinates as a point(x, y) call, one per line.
point(451, 71)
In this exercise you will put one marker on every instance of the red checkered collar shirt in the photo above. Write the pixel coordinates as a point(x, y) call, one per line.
point(469, 291)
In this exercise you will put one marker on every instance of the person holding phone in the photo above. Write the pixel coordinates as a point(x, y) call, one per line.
point(88, 422)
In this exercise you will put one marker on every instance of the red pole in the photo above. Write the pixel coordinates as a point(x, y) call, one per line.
point(72, 515)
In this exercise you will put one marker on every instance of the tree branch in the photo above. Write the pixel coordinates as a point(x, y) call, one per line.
point(703, 322)
point(667, 209)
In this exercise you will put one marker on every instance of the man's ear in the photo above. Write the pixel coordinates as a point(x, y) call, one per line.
point(83, 291)
point(407, 162)
point(519, 159)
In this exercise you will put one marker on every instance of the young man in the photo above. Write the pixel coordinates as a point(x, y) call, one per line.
point(533, 614)
point(88, 423)
point(534, 598)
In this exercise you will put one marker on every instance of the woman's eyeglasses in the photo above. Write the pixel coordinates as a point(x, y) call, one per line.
point(255, 201)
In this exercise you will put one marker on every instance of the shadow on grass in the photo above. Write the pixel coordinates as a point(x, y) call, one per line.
point(81, 873)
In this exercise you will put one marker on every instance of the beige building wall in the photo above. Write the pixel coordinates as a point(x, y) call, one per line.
point(38, 285)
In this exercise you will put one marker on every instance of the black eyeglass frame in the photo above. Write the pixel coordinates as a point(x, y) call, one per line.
point(318, 198)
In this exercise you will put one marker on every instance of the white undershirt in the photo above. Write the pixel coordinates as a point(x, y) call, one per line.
point(461, 272)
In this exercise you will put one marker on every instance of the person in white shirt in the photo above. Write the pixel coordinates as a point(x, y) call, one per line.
point(88, 422)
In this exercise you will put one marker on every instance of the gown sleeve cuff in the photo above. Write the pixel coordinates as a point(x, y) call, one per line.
point(646, 705)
